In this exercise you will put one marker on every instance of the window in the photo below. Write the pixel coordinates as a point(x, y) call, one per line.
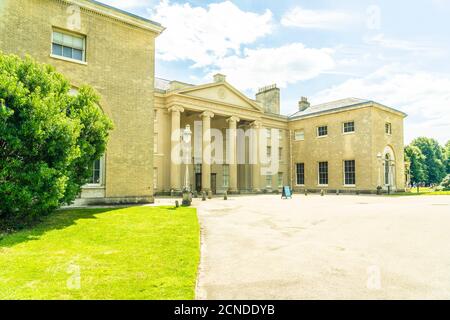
point(349, 172)
point(269, 181)
point(388, 128)
point(269, 153)
point(280, 134)
point(280, 179)
point(323, 173)
point(226, 175)
point(68, 46)
point(299, 135)
point(322, 131)
point(269, 133)
point(349, 127)
point(300, 173)
point(387, 161)
point(96, 173)
point(155, 143)
point(155, 178)
point(280, 154)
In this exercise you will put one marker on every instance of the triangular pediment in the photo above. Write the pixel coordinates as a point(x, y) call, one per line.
point(222, 93)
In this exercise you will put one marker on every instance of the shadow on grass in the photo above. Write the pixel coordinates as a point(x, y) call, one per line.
point(58, 220)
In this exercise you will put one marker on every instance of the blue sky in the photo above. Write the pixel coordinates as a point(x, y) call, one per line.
point(394, 52)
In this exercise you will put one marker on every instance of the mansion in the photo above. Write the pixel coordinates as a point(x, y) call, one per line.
point(350, 145)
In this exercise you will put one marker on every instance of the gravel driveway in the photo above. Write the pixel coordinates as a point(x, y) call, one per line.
point(332, 247)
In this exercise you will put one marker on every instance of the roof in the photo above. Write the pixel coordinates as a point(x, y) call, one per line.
point(337, 105)
point(120, 14)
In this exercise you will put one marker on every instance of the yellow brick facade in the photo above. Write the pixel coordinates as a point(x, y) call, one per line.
point(119, 65)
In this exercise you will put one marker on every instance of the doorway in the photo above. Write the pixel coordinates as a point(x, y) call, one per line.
point(213, 182)
point(198, 182)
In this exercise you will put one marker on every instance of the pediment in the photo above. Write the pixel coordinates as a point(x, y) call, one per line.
point(221, 93)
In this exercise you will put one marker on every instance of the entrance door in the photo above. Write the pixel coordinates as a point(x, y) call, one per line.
point(213, 183)
point(198, 182)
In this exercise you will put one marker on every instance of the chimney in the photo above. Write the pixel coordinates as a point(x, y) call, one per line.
point(218, 77)
point(269, 97)
point(303, 104)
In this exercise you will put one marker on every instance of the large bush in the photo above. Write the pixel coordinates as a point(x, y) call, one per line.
point(49, 138)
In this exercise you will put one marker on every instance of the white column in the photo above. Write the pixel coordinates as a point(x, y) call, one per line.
point(175, 164)
point(206, 150)
point(254, 149)
point(232, 149)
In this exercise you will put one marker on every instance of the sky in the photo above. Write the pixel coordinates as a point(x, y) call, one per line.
point(394, 52)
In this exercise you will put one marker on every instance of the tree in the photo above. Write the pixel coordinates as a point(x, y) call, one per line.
point(417, 164)
point(434, 159)
point(49, 138)
point(447, 156)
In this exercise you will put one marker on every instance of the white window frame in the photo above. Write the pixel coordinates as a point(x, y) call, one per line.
point(343, 172)
point(350, 132)
point(317, 131)
point(73, 34)
point(318, 174)
point(295, 135)
point(101, 176)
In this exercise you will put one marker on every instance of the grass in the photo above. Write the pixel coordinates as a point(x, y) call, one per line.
point(131, 253)
point(423, 191)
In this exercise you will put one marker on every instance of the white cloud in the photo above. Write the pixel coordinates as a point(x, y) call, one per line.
point(129, 4)
point(283, 65)
point(204, 35)
point(424, 96)
point(318, 19)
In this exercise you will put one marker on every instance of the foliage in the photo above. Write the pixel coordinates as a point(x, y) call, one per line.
point(434, 159)
point(129, 253)
point(445, 184)
point(447, 156)
point(417, 164)
point(49, 138)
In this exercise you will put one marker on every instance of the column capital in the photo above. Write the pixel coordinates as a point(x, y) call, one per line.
point(256, 124)
point(176, 109)
point(233, 119)
point(207, 114)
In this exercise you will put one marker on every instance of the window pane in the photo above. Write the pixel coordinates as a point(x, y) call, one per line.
point(349, 172)
point(77, 43)
point(77, 54)
point(57, 49)
point(67, 40)
point(323, 173)
point(57, 37)
point(300, 173)
point(67, 52)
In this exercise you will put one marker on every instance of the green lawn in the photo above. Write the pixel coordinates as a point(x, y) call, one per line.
point(131, 253)
point(423, 191)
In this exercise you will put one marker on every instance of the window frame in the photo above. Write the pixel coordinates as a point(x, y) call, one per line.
point(298, 174)
point(101, 182)
point(280, 174)
point(72, 34)
point(303, 134)
point(388, 125)
point(269, 178)
point(344, 173)
point(318, 131)
point(319, 173)
point(348, 132)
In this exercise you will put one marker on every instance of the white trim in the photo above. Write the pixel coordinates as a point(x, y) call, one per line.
point(73, 34)
point(317, 131)
point(349, 185)
point(343, 127)
point(68, 59)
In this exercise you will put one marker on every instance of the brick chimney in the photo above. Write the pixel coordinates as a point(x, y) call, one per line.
point(269, 97)
point(303, 104)
point(218, 77)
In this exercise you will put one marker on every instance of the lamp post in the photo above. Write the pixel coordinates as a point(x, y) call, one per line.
point(379, 157)
point(187, 196)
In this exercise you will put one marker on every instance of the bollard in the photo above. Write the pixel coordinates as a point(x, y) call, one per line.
point(357, 192)
point(322, 192)
point(203, 196)
point(225, 196)
point(177, 204)
point(337, 192)
point(209, 194)
point(306, 192)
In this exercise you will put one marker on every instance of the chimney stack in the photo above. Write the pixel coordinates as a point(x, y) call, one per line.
point(269, 97)
point(303, 104)
point(218, 77)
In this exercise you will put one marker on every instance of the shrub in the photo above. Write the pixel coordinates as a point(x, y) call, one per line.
point(445, 184)
point(49, 138)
